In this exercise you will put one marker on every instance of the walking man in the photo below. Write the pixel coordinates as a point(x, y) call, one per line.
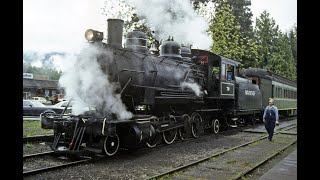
point(270, 118)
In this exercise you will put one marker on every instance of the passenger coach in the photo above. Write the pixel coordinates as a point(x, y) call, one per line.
point(282, 90)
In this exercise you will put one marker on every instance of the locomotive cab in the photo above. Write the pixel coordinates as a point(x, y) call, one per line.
point(227, 77)
point(220, 73)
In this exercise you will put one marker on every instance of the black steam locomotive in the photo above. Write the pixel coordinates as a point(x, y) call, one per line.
point(176, 91)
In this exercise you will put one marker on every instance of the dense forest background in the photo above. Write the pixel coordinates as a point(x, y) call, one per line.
point(231, 29)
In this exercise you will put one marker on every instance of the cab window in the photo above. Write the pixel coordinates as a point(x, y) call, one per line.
point(230, 72)
point(223, 71)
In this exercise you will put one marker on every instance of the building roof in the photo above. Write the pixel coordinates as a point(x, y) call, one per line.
point(47, 84)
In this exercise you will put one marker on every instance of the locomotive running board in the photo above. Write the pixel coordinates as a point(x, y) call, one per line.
point(208, 110)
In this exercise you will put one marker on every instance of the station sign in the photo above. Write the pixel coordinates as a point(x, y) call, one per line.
point(27, 75)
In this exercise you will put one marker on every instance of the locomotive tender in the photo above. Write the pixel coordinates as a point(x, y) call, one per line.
point(175, 92)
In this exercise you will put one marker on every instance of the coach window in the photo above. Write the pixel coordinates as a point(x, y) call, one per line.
point(285, 93)
point(290, 94)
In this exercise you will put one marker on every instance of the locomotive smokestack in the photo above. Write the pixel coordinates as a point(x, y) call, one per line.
point(115, 28)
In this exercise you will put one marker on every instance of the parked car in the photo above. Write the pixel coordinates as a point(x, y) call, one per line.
point(40, 99)
point(35, 108)
point(81, 108)
point(64, 104)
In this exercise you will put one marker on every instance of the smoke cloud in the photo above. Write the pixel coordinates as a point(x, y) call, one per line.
point(86, 83)
point(175, 18)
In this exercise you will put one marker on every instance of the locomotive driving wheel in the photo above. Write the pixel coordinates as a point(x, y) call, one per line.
point(215, 126)
point(183, 131)
point(153, 140)
point(152, 143)
point(111, 145)
point(170, 135)
point(196, 124)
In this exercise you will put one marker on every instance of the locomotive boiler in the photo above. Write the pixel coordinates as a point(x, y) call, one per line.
point(174, 92)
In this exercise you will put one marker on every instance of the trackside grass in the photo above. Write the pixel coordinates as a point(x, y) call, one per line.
point(31, 128)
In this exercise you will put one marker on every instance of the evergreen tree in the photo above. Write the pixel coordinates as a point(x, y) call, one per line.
point(266, 35)
point(293, 42)
point(242, 12)
point(243, 15)
point(275, 48)
point(225, 32)
point(196, 3)
point(282, 61)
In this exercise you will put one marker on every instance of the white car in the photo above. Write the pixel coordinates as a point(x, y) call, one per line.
point(35, 108)
point(40, 99)
point(80, 108)
point(64, 104)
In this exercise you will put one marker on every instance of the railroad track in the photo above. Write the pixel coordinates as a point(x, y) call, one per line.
point(47, 161)
point(50, 156)
point(198, 165)
point(37, 155)
point(44, 137)
point(42, 157)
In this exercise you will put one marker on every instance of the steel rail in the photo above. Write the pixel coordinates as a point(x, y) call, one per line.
point(44, 137)
point(209, 157)
point(37, 154)
point(35, 171)
point(263, 161)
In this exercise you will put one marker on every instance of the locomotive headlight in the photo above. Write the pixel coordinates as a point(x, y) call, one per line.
point(92, 35)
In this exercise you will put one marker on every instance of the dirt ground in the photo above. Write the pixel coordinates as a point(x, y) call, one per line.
point(145, 163)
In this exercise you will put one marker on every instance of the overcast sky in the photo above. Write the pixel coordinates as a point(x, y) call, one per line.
point(59, 25)
point(284, 12)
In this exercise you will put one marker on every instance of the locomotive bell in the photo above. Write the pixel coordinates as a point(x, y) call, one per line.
point(153, 47)
point(136, 41)
point(170, 48)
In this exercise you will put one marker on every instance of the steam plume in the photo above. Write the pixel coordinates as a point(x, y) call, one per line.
point(175, 18)
point(86, 82)
point(193, 86)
